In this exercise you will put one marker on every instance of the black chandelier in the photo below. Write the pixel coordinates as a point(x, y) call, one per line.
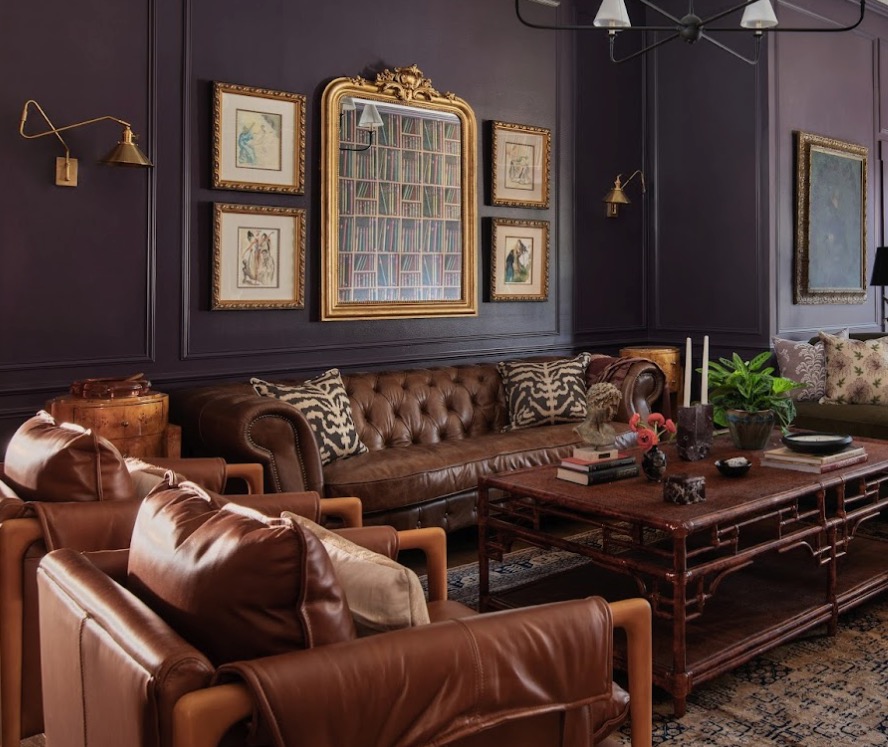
point(612, 16)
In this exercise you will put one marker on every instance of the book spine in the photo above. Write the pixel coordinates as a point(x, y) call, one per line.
point(812, 459)
point(595, 455)
point(616, 473)
point(584, 466)
point(813, 468)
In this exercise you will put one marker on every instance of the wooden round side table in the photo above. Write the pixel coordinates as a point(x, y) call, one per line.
point(138, 426)
point(668, 358)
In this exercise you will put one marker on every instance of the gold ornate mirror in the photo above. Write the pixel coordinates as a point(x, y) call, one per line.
point(399, 229)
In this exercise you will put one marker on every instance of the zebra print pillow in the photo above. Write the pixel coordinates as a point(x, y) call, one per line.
point(545, 392)
point(324, 404)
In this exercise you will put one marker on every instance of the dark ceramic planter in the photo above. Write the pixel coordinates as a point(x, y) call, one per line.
point(750, 430)
point(653, 464)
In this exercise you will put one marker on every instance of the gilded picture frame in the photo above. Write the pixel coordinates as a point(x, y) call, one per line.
point(258, 257)
point(399, 208)
point(831, 216)
point(519, 260)
point(258, 139)
point(520, 165)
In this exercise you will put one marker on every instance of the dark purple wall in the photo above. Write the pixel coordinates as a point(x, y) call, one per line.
point(113, 277)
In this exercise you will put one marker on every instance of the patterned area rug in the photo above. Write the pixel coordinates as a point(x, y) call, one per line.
point(815, 692)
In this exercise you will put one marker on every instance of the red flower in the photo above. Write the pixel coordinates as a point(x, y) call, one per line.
point(652, 429)
point(647, 439)
point(633, 421)
point(669, 426)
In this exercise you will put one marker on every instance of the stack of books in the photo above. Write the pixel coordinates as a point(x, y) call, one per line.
point(592, 466)
point(784, 458)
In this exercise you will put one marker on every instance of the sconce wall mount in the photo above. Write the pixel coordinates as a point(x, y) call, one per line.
point(617, 196)
point(125, 153)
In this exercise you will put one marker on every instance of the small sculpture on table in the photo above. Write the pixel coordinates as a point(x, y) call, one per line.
point(602, 401)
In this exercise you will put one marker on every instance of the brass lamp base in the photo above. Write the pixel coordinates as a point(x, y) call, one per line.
point(66, 172)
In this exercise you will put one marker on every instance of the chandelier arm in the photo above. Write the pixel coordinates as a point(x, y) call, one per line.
point(723, 13)
point(724, 47)
point(825, 30)
point(640, 51)
point(662, 12)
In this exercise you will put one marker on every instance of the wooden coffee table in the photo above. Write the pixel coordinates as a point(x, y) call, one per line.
point(764, 558)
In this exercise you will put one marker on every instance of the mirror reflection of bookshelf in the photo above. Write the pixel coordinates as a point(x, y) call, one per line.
point(400, 208)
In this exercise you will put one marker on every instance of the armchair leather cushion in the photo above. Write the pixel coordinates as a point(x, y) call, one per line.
point(382, 594)
point(46, 461)
point(545, 392)
point(324, 403)
point(233, 582)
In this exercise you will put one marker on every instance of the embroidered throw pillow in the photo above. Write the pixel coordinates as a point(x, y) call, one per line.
point(856, 370)
point(381, 593)
point(806, 363)
point(324, 404)
point(544, 392)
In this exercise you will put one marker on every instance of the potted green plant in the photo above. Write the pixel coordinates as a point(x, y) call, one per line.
point(749, 399)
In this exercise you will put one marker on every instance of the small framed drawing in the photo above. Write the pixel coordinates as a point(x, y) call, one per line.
point(258, 139)
point(830, 251)
point(519, 260)
point(520, 171)
point(258, 257)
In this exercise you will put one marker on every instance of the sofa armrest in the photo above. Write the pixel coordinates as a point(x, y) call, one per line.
point(234, 422)
point(511, 665)
point(640, 381)
point(100, 640)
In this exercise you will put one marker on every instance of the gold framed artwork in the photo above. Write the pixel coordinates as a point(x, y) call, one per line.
point(258, 257)
point(830, 251)
point(398, 207)
point(521, 163)
point(519, 260)
point(258, 139)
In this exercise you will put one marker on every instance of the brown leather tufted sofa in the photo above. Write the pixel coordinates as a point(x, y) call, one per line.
point(431, 432)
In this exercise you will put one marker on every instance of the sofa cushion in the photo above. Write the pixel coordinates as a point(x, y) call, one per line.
point(856, 370)
point(389, 479)
point(234, 583)
point(49, 461)
point(382, 594)
point(324, 404)
point(545, 392)
point(804, 362)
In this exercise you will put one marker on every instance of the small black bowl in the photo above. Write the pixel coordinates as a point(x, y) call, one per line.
point(733, 467)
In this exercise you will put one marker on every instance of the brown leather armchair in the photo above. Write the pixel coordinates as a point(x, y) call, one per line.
point(117, 672)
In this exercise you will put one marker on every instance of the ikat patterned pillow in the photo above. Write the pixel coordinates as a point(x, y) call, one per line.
point(856, 371)
point(544, 392)
point(806, 363)
point(324, 403)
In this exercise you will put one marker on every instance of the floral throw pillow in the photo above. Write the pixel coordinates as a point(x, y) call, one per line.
point(324, 403)
point(545, 392)
point(856, 370)
point(806, 363)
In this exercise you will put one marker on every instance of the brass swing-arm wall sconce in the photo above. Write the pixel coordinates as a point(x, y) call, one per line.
point(612, 17)
point(617, 196)
point(370, 121)
point(125, 153)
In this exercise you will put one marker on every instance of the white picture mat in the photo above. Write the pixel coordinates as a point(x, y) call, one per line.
point(507, 140)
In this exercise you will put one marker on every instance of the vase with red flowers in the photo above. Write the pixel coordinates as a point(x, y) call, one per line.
point(649, 432)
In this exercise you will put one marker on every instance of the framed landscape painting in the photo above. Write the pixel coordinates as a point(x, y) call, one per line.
point(519, 261)
point(520, 168)
point(258, 257)
point(830, 252)
point(258, 139)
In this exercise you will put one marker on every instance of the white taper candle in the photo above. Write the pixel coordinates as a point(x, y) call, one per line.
point(686, 399)
point(704, 380)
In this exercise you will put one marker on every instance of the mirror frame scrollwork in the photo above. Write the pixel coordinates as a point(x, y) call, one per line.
point(404, 88)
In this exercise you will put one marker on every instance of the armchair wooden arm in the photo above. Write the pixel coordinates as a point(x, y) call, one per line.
point(251, 473)
point(347, 510)
point(433, 542)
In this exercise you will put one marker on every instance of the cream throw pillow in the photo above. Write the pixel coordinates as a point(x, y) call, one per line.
point(856, 371)
point(381, 593)
point(148, 476)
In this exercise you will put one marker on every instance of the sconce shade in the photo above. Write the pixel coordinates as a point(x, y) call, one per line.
point(880, 267)
point(348, 104)
point(370, 119)
point(126, 152)
point(759, 15)
point(617, 197)
point(613, 15)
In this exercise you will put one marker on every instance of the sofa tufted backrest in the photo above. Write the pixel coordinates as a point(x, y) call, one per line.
point(426, 406)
